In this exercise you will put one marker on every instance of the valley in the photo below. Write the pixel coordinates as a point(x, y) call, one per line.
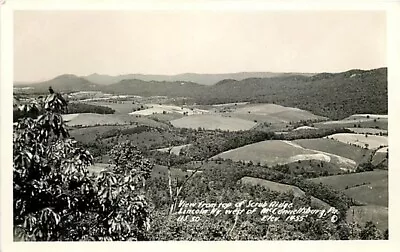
point(271, 135)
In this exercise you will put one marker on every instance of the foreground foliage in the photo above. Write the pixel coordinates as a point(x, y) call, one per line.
point(55, 198)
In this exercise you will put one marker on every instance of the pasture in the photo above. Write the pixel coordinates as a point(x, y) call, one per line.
point(368, 131)
point(361, 214)
point(120, 107)
point(273, 113)
point(355, 123)
point(165, 117)
point(152, 139)
point(345, 181)
point(368, 116)
point(335, 147)
point(92, 119)
point(365, 141)
point(213, 122)
point(175, 149)
point(375, 193)
point(165, 109)
point(89, 134)
point(380, 158)
point(277, 152)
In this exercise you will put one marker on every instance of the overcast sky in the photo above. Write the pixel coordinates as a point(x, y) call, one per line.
point(50, 43)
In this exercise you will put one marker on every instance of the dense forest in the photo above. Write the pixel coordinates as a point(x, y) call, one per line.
point(79, 107)
point(220, 183)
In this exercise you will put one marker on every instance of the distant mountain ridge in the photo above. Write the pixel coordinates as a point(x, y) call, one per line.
point(204, 79)
point(65, 83)
point(334, 95)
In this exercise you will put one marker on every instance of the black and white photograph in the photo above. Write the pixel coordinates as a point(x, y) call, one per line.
point(199, 125)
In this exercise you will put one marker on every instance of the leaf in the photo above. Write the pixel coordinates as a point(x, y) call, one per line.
point(57, 218)
point(27, 153)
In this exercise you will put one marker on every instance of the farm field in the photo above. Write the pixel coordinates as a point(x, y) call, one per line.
point(160, 109)
point(279, 187)
point(335, 147)
point(89, 134)
point(383, 150)
point(368, 188)
point(213, 122)
point(369, 141)
point(273, 113)
point(122, 107)
point(375, 193)
point(148, 139)
point(232, 104)
point(352, 123)
point(165, 117)
point(91, 119)
point(175, 149)
point(377, 214)
point(275, 152)
point(368, 116)
point(160, 171)
point(341, 182)
point(368, 131)
point(379, 157)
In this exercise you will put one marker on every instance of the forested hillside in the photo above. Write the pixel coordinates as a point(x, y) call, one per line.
point(332, 95)
point(336, 96)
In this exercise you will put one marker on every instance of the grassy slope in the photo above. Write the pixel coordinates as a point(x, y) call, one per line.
point(270, 152)
point(152, 139)
point(371, 141)
point(335, 147)
point(375, 193)
point(89, 134)
point(273, 152)
point(124, 107)
point(213, 122)
point(364, 123)
point(90, 119)
point(340, 182)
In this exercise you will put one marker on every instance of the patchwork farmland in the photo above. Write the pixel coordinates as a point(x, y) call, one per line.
point(256, 139)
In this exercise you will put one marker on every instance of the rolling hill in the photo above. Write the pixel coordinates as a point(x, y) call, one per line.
point(277, 152)
point(205, 79)
point(333, 95)
point(212, 122)
point(336, 96)
point(65, 83)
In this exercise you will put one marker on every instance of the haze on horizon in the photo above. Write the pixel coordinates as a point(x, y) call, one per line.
point(51, 43)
